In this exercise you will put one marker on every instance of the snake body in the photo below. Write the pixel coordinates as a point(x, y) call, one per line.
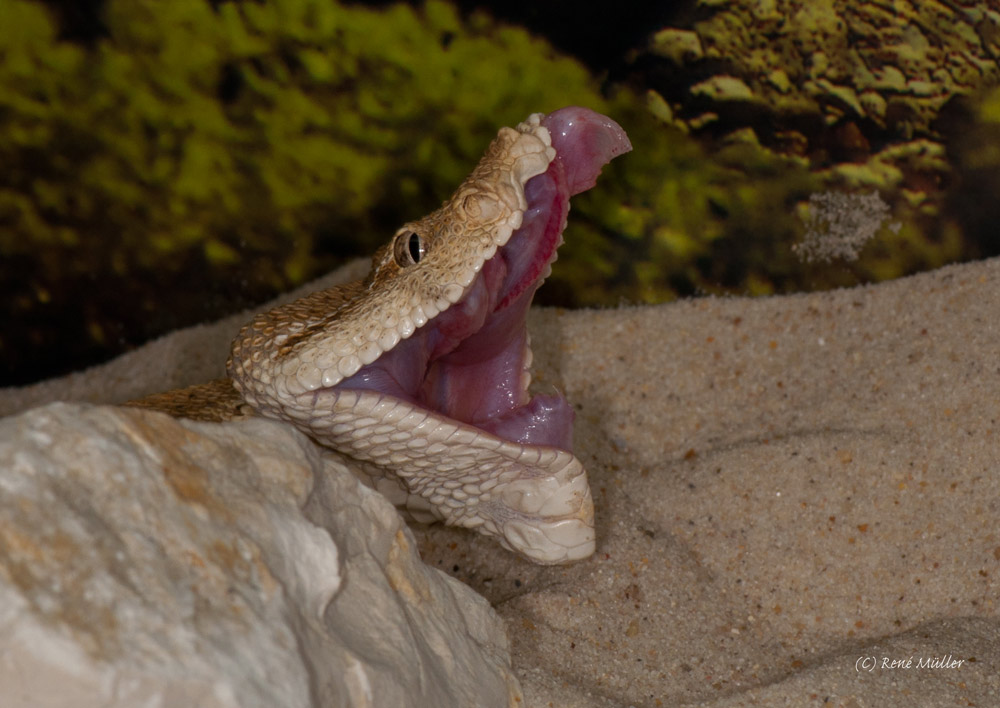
point(420, 371)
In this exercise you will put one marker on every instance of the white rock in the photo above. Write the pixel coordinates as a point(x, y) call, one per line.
point(149, 561)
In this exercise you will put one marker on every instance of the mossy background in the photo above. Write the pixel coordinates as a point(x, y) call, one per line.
point(167, 162)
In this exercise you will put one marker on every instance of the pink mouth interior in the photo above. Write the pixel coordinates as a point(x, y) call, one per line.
point(467, 362)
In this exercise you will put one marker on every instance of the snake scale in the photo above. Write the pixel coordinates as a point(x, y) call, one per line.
point(420, 371)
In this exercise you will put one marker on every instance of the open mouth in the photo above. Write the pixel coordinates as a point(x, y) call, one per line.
point(470, 362)
point(420, 372)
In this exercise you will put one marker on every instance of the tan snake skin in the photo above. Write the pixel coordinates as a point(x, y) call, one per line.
point(534, 499)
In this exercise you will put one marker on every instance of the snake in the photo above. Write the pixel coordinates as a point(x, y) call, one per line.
point(420, 371)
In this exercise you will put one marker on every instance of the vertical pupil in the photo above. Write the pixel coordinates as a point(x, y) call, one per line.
point(414, 245)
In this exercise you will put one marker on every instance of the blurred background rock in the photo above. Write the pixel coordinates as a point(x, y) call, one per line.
point(167, 163)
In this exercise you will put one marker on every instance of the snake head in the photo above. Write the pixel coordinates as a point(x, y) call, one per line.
point(422, 369)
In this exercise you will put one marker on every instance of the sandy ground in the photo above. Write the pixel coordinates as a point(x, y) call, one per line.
point(792, 493)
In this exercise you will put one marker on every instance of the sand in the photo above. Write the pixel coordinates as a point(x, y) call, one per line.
point(792, 493)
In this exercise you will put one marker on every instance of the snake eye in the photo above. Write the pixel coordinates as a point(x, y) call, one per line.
point(409, 248)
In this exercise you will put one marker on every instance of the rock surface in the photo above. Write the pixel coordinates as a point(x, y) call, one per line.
point(892, 66)
point(149, 561)
point(833, 96)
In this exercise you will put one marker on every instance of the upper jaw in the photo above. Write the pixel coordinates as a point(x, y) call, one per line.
point(459, 238)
